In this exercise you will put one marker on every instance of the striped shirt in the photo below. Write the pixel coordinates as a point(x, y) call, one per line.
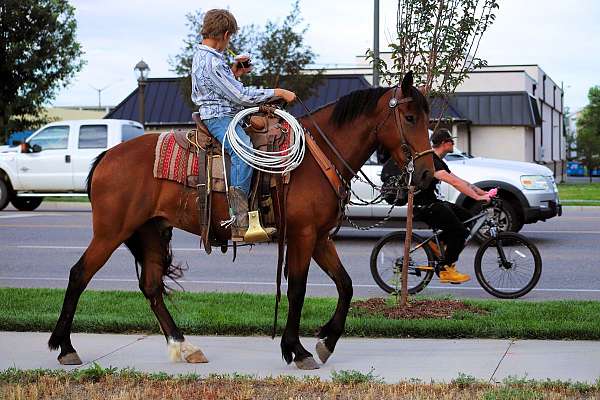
point(216, 90)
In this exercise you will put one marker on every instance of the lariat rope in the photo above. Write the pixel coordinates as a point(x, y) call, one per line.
point(272, 162)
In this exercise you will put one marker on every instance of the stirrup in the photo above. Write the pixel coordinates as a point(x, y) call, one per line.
point(255, 232)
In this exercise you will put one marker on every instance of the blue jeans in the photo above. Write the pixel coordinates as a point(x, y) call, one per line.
point(241, 173)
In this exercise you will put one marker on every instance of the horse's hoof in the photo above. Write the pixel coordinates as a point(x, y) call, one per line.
point(196, 357)
point(70, 359)
point(322, 351)
point(307, 363)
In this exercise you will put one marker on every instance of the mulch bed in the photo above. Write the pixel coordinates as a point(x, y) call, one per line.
point(415, 309)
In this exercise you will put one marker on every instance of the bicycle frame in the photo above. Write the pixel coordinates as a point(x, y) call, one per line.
point(478, 221)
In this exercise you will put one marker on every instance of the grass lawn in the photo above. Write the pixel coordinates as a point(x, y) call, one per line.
point(572, 192)
point(100, 383)
point(68, 199)
point(250, 314)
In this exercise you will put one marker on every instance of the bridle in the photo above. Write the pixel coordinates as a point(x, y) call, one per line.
point(407, 148)
point(411, 154)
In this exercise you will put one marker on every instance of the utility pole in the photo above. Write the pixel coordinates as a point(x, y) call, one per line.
point(376, 44)
point(100, 94)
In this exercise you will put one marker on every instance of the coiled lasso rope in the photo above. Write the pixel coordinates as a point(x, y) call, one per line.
point(274, 162)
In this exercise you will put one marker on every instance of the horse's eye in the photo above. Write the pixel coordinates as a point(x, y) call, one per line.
point(410, 119)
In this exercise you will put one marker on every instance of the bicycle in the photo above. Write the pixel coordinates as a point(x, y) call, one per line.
point(507, 264)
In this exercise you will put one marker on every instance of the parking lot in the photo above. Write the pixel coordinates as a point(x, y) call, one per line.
point(37, 249)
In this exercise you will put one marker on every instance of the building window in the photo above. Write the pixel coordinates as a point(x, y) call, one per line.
point(93, 137)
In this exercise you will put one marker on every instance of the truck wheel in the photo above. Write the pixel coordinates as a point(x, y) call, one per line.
point(4, 194)
point(26, 203)
point(507, 218)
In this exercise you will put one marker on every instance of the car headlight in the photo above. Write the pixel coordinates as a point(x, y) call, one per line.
point(534, 182)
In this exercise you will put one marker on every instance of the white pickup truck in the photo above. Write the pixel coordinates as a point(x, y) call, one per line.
point(528, 190)
point(55, 160)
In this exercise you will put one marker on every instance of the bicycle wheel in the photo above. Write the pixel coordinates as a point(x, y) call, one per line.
point(517, 274)
point(386, 263)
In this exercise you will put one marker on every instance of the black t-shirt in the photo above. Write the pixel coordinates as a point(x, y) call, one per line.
point(428, 195)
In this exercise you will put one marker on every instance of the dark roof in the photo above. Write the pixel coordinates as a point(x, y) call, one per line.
point(164, 104)
point(497, 108)
point(332, 87)
point(438, 105)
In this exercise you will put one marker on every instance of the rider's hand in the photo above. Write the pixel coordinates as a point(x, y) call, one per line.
point(286, 95)
point(485, 197)
point(237, 68)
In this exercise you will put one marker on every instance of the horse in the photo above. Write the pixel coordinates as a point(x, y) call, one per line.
point(131, 207)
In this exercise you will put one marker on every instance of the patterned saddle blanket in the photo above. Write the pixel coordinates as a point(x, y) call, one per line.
point(176, 160)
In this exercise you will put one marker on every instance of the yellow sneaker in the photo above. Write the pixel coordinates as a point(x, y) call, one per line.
point(449, 274)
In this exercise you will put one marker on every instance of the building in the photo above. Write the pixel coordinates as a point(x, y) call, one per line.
point(512, 112)
point(166, 105)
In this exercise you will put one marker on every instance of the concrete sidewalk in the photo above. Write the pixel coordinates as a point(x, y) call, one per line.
point(391, 359)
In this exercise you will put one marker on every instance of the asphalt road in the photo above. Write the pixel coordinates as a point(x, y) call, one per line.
point(38, 248)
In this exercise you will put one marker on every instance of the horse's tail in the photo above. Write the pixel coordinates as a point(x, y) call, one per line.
point(88, 181)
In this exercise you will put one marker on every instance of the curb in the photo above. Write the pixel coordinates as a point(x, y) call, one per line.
point(580, 208)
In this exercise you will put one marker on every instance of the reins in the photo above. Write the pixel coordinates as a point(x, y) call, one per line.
point(411, 155)
point(332, 146)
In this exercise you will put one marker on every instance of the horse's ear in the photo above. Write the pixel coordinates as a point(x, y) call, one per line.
point(423, 90)
point(407, 82)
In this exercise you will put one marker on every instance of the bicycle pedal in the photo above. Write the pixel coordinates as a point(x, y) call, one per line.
point(424, 268)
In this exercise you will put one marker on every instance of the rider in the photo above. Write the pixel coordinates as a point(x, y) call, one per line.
point(220, 96)
point(445, 215)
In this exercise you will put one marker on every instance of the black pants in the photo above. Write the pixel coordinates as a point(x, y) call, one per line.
point(447, 217)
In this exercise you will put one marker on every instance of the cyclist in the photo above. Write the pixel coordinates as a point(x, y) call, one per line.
point(437, 213)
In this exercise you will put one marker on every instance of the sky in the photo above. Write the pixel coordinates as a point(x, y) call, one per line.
point(563, 37)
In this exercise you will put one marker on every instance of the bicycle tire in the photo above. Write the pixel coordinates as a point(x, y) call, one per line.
point(396, 240)
point(508, 239)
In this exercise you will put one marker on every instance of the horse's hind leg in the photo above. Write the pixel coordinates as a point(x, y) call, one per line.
point(151, 246)
point(81, 273)
point(326, 256)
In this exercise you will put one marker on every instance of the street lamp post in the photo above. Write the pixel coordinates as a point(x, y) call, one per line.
point(141, 70)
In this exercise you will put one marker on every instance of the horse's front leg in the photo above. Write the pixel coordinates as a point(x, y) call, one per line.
point(326, 256)
point(299, 250)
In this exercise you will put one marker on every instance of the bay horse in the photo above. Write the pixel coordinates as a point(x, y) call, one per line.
point(130, 206)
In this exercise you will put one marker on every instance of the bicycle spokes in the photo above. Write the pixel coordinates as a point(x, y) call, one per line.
point(508, 266)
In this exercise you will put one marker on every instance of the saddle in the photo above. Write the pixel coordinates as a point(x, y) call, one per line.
point(194, 159)
point(266, 133)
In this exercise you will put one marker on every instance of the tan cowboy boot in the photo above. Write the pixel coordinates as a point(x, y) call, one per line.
point(239, 206)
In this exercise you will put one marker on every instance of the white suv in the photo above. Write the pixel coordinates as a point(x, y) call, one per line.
point(528, 190)
point(55, 160)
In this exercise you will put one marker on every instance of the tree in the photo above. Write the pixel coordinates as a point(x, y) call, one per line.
point(39, 54)
point(283, 55)
point(246, 38)
point(278, 54)
point(588, 132)
point(438, 41)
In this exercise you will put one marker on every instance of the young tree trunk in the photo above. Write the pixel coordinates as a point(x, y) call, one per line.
point(407, 242)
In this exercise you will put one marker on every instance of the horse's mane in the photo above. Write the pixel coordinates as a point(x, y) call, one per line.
point(364, 101)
